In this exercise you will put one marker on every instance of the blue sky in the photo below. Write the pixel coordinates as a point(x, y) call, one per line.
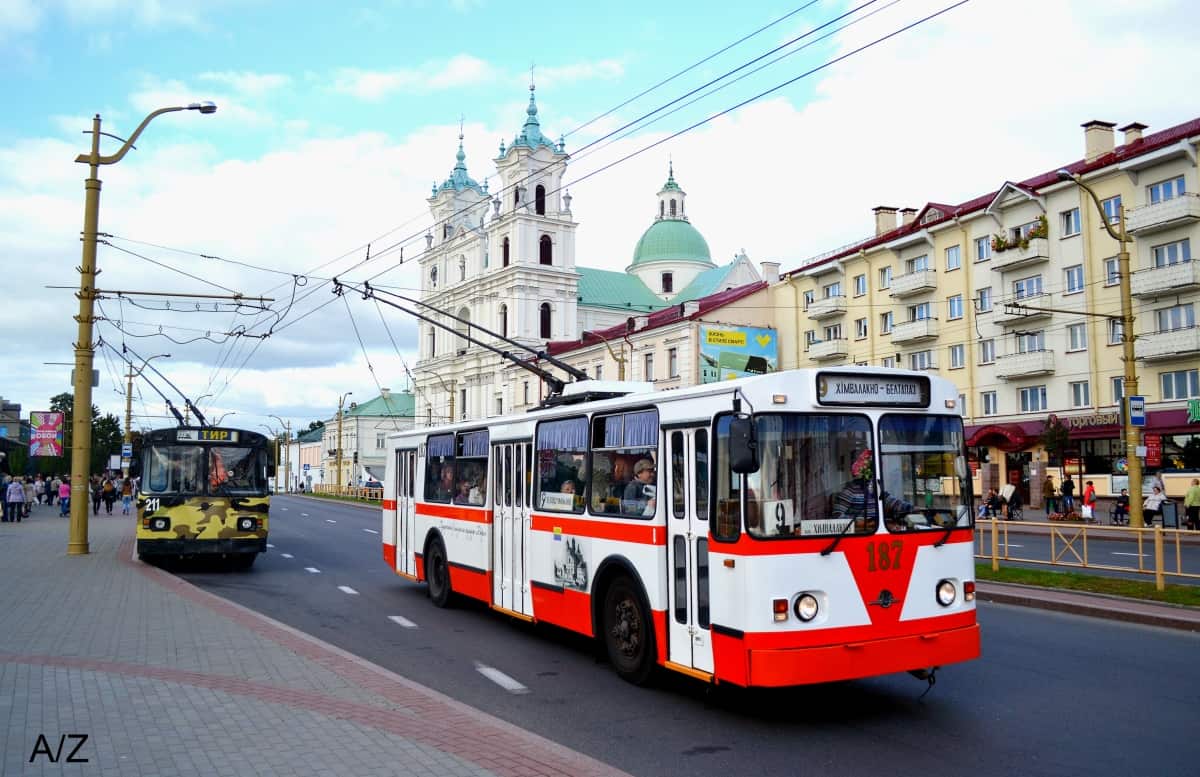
point(334, 119)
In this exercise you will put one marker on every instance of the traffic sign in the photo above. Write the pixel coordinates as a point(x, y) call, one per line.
point(306, 466)
point(126, 450)
point(1137, 410)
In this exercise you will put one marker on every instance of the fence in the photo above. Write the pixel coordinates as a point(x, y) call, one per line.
point(350, 492)
point(1069, 546)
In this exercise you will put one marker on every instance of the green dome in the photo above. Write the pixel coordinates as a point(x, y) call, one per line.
point(672, 240)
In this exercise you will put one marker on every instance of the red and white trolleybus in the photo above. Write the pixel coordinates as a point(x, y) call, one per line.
point(796, 527)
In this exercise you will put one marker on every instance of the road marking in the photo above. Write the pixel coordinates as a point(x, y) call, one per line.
point(313, 570)
point(501, 679)
point(405, 622)
point(330, 520)
point(269, 545)
point(1119, 553)
point(370, 531)
point(304, 514)
point(1014, 545)
point(287, 555)
point(347, 590)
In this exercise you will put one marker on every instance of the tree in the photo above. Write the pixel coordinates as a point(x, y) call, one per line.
point(315, 425)
point(1055, 438)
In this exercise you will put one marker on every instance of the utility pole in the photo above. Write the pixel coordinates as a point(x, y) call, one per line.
point(287, 453)
point(338, 455)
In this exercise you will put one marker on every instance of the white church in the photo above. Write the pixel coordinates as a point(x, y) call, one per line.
point(506, 262)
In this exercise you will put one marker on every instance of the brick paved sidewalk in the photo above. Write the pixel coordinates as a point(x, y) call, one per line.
point(165, 678)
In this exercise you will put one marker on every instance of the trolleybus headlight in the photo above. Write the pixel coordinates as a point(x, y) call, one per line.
point(246, 524)
point(946, 593)
point(160, 524)
point(806, 607)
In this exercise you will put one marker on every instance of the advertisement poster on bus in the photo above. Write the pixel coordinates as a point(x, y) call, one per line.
point(728, 352)
point(46, 434)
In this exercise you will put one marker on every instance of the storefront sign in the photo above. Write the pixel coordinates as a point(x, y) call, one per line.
point(1193, 409)
point(1087, 421)
point(1154, 450)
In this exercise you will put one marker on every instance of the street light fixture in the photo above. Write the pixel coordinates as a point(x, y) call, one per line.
point(1130, 432)
point(222, 418)
point(276, 434)
point(287, 454)
point(620, 360)
point(81, 448)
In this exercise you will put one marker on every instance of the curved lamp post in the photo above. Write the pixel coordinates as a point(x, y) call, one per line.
point(81, 448)
point(287, 455)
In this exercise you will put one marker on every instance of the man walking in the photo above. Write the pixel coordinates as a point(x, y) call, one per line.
point(1048, 496)
point(1191, 502)
point(1068, 494)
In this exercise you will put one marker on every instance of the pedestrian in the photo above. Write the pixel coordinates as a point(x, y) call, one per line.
point(1048, 496)
point(14, 495)
point(109, 494)
point(1068, 494)
point(1191, 503)
point(52, 492)
point(64, 497)
point(39, 489)
point(27, 484)
point(1089, 501)
point(97, 494)
point(1152, 507)
point(1121, 508)
point(126, 495)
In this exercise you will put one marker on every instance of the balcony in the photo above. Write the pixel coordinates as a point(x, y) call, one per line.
point(912, 283)
point(1160, 346)
point(1024, 365)
point(1168, 279)
point(914, 331)
point(1007, 314)
point(1016, 257)
point(1175, 212)
point(827, 308)
point(825, 350)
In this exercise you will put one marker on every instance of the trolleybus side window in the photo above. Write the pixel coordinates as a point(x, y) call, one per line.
point(702, 474)
point(172, 469)
point(677, 487)
point(624, 469)
point(439, 468)
point(561, 453)
point(471, 468)
point(924, 468)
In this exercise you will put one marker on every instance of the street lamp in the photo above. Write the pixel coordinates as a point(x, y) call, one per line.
point(338, 456)
point(1130, 432)
point(222, 418)
point(129, 403)
point(620, 360)
point(276, 435)
point(287, 455)
point(81, 448)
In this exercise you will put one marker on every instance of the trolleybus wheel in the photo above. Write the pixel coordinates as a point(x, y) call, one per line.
point(437, 571)
point(628, 632)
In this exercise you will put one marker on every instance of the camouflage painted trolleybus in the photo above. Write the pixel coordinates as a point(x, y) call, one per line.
point(204, 492)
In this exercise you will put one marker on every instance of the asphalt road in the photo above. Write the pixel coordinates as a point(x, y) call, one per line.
point(1054, 694)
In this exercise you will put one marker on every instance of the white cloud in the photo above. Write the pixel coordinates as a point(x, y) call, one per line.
point(561, 75)
point(18, 17)
point(460, 70)
point(246, 83)
point(155, 93)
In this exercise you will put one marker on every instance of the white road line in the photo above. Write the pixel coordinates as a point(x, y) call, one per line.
point(330, 520)
point(287, 555)
point(501, 679)
point(347, 590)
point(1135, 555)
point(1014, 545)
point(370, 531)
point(284, 509)
point(304, 514)
point(313, 570)
point(269, 545)
point(400, 619)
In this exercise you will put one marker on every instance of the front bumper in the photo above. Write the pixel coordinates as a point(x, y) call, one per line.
point(178, 547)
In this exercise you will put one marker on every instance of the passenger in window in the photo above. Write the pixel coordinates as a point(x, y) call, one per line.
point(463, 495)
point(640, 495)
point(445, 486)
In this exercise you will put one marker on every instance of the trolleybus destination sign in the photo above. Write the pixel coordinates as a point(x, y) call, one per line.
point(207, 435)
point(864, 389)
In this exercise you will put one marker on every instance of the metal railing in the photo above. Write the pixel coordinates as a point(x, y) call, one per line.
point(353, 492)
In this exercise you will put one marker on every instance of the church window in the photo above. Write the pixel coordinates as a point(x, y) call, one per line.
point(539, 200)
point(516, 196)
point(463, 328)
point(545, 250)
point(504, 320)
point(668, 282)
point(661, 208)
point(432, 342)
point(672, 208)
point(504, 253)
point(445, 230)
point(433, 277)
point(545, 320)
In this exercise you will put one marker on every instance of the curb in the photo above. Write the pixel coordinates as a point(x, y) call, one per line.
point(1118, 608)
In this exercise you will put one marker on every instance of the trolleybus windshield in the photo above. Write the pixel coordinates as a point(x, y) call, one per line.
point(924, 468)
point(205, 470)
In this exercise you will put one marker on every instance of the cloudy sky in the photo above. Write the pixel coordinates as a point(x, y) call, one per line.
point(334, 119)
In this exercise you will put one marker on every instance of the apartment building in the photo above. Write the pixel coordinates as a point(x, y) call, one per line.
point(1015, 296)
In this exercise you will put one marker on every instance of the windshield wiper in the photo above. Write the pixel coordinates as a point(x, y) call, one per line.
point(950, 527)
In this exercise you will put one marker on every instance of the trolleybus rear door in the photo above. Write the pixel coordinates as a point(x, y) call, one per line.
point(686, 485)
point(406, 467)
point(509, 526)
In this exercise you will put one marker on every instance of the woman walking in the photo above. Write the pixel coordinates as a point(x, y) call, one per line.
point(126, 495)
point(15, 496)
point(110, 494)
point(97, 494)
point(64, 497)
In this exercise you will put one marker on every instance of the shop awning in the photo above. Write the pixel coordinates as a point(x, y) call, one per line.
point(1010, 437)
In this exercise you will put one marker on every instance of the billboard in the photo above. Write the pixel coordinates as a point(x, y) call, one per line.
point(46, 434)
point(728, 352)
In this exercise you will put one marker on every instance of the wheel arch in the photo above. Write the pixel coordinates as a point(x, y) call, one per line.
point(611, 568)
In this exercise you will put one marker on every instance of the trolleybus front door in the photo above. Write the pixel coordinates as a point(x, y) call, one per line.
point(510, 519)
point(686, 485)
point(406, 469)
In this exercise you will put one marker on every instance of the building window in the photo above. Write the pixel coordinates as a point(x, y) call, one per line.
point(983, 249)
point(648, 367)
point(1032, 399)
point(889, 362)
point(1076, 337)
point(987, 399)
point(810, 337)
point(504, 253)
point(1030, 342)
point(860, 328)
point(953, 258)
point(1112, 209)
point(432, 342)
point(918, 263)
point(539, 200)
point(525, 392)
point(860, 285)
point(957, 356)
point(987, 351)
point(833, 332)
point(672, 208)
point(954, 307)
point(504, 320)
point(545, 250)
point(921, 360)
point(1070, 222)
point(462, 404)
point(962, 404)
point(885, 277)
point(1080, 395)
point(599, 372)
point(545, 320)
point(1112, 271)
point(1116, 331)
point(920, 312)
point(1180, 384)
point(1022, 232)
point(1027, 287)
point(983, 302)
point(433, 277)
point(1168, 254)
point(379, 440)
point(1074, 279)
point(1164, 190)
point(809, 297)
point(500, 404)
point(832, 290)
point(1118, 390)
point(1175, 317)
point(672, 362)
point(885, 323)
point(668, 283)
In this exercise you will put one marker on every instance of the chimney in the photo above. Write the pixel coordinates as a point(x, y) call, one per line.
point(386, 393)
point(1097, 139)
point(885, 219)
point(1133, 132)
point(907, 216)
point(770, 271)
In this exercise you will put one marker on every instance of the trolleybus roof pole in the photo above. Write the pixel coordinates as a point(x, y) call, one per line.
point(186, 401)
point(142, 374)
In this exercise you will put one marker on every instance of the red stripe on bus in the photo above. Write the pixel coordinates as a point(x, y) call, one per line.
point(471, 582)
point(748, 546)
point(389, 555)
point(645, 534)
point(389, 504)
point(476, 514)
point(563, 607)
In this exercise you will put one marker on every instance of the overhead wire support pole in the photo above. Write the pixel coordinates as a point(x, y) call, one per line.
point(174, 411)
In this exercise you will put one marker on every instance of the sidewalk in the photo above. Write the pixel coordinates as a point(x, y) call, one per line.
point(164, 678)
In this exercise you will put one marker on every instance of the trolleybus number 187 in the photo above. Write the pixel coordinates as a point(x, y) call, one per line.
point(882, 556)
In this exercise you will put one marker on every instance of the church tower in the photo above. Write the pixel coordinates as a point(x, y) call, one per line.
point(671, 252)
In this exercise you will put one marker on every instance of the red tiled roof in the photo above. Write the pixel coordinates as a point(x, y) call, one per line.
point(1151, 142)
point(658, 318)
